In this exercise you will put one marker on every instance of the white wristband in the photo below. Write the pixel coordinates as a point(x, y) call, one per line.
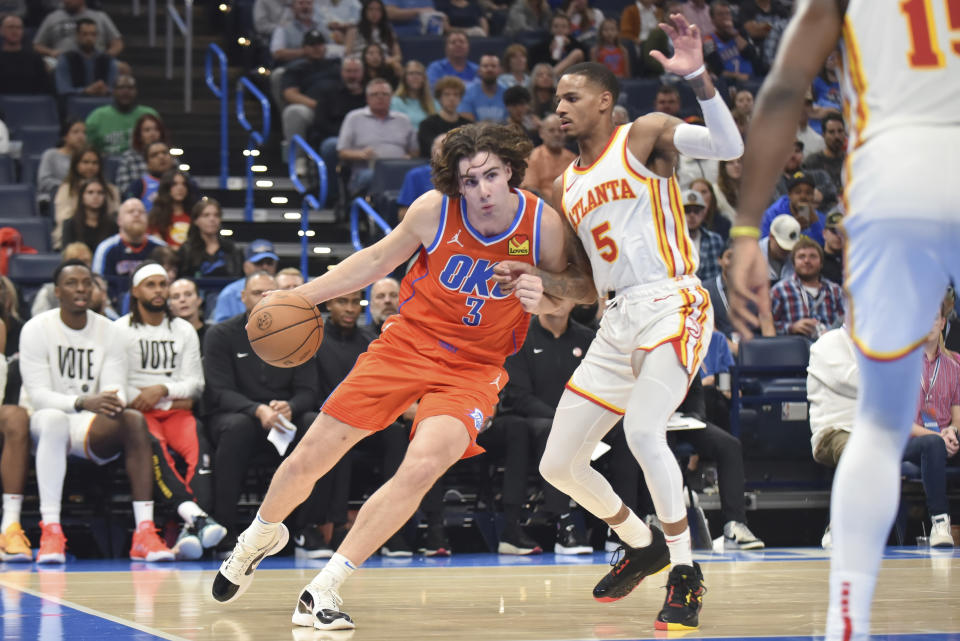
point(696, 72)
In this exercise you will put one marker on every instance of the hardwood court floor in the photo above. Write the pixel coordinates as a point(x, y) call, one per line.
point(774, 594)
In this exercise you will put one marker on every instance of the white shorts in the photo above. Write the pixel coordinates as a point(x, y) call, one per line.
point(79, 435)
point(903, 229)
point(676, 311)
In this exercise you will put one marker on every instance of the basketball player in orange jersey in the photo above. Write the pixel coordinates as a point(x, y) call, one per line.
point(445, 347)
point(623, 200)
point(901, 85)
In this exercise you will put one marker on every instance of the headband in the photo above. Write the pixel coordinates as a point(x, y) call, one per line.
point(147, 271)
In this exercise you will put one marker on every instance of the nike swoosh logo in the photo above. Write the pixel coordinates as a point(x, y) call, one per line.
point(537, 351)
point(256, 562)
point(243, 354)
point(300, 540)
point(657, 300)
point(570, 184)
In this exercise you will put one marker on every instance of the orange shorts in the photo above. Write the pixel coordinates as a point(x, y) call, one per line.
point(405, 365)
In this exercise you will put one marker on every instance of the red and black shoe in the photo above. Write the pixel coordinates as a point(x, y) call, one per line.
point(634, 566)
point(685, 590)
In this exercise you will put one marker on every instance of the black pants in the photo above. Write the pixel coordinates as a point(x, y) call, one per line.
point(169, 468)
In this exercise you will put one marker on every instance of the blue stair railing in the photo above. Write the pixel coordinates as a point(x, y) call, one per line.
point(220, 91)
point(359, 204)
point(309, 200)
point(257, 138)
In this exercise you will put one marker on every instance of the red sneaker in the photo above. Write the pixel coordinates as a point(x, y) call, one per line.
point(53, 544)
point(147, 545)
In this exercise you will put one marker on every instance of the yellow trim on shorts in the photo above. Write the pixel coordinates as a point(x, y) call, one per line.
point(884, 356)
point(595, 399)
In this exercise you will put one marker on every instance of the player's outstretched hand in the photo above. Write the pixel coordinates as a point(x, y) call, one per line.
point(529, 289)
point(506, 273)
point(687, 46)
point(748, 284)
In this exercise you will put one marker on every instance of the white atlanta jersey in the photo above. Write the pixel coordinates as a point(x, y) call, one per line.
point(901, 65)
point(58, 364)
point(165, 354)
point(629, 219)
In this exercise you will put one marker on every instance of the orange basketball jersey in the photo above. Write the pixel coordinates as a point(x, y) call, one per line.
point(450, 292)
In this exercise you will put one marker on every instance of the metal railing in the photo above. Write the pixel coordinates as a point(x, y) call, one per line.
point(151, 19)
point(221, 93)
point(359, 204)
point(185, 27)
point(309, 200)
point(256, 139)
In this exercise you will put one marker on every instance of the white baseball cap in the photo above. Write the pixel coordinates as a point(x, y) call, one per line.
point(785, 229)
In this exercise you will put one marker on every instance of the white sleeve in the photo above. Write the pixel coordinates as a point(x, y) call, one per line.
point(188, 379)
point(35, 370)
point(113, 376)
point(719, 140)
point(834, 364)
point(3, 372)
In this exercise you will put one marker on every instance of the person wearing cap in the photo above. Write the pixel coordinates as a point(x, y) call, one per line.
point(825, 192)
point(289, 40)
point(258, 256)
point(806, 303)
point(776, 248)
point(834, 241)
point(798, 203)
point(709, 244)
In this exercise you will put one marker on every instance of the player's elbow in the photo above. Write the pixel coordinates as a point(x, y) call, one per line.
point(731, 150)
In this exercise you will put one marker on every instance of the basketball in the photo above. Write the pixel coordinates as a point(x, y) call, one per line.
point(284, 329)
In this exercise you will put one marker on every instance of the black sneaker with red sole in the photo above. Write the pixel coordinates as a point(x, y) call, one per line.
point(681, 608)
point(634, 566)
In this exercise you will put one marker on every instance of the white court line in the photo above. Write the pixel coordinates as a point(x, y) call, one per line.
point(92, 612)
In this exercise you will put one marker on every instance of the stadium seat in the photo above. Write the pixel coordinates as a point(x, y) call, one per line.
point(33, 267)
point(35, 231)
point(29, 165)
point(484, 46)
point(386, 183)
point(7, 171)
point(36, 138)
point(19, 201)
point(425, 49)
point(81, 106)
point(638, 95)
point(29, 111)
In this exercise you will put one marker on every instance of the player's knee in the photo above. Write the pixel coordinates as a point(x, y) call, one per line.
point(555, 471)
point(50, 423)
point(420, 472)
point(14, 423)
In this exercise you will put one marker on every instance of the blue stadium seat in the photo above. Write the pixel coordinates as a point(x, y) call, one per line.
point(8, 174)
point(425, 49)
point(29, 165)
point(484, 46)
point(386, 183)
point(29, 111)
point(35, 231)
point(769, 370)
point(638, 95)
point(81, 106)
point(36, 138)
point(19, 201)
point(610, 8)
point(33, 267)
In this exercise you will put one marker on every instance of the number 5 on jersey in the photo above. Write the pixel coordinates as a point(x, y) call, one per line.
point(605, 246)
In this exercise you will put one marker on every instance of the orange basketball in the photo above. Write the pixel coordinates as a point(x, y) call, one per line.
point(284, 329)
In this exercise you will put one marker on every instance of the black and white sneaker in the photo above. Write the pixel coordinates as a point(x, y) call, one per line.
point(396, 547)
point(310, 544)
point(208, 531)
point(436, 543)
point(319, 607)
point(515, 541)
point(570, 539)
point(736, 535)
point(236, 572)
point(188, 546)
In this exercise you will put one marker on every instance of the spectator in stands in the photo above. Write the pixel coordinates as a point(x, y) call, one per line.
point(82, 69)
point(159, 161)
point(585, 21)
point(559, 49)
point(776, 248)
point(697, 12)
point(483, 99)
point(448, 91)
point(56, 33)
point(287, 40)
point(74, 378)
point(123, 252)
point(10, 316)
point(417, 181)
point(109, 127)
point(91, 222)
point(205, 253)
point(708, 244)
point(719, 296)
point(543, 87)
point(516, 70)
point(547, 161)
point(810, 137)
point(620, 115)
point(743, 103)
point(554, 347)
point(609, 52)
point(414, 17)
point(832, 157)
point(22, 71)
point(412, 97)
point(185, 302)
point(667, 100)
point(384, 299)
point(164, 383)
point(55, 162)
point(825, 193)
point(372, 133)
point(84, 165)
point(764, 21)
point(133, 163)
point(176, 195)
point(15, 439)
point(374, 28)
point(466, 15)
point(456, 47)
point(826, 93)
point(168, 258)
point(268, 15)
point(798, 203)
point(46, 297)
point(374, 66)
point(716, 220)
point(329, 115)
point(245, 398)
point(726, 52)
point(528, 15)
point(728, 180)
point(834, 243)
point(805, 303)
point(259, 256)
point(338, 18)
point(289, 277)
point(517, 99)
point(639, 19)
point(306, 84)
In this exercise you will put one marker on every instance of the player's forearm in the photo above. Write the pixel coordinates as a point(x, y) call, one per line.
point(721, 139)
point(356, 272)
point(702, 86)
point(572, 284)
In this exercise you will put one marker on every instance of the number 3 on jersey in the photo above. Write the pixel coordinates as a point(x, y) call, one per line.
point(925, 51)
point(474, 317)
point(605, 246)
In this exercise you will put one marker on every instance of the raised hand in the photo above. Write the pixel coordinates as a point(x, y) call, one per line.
point(687, 46)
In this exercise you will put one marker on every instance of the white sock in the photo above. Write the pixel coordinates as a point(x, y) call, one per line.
point(634, 532)
point(849, 609)
point(337, 570)
point(261, 532)
point(680, 551)
point(50, 430)
point(11, 510)
point(188, 511)
point(142, 511)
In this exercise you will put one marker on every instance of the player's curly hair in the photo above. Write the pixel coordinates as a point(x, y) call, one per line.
point(508, 142)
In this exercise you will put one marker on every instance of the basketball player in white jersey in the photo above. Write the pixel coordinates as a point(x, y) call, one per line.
point(74, 378)
point(623, 201)
point(901, 86)
point(164, 380)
